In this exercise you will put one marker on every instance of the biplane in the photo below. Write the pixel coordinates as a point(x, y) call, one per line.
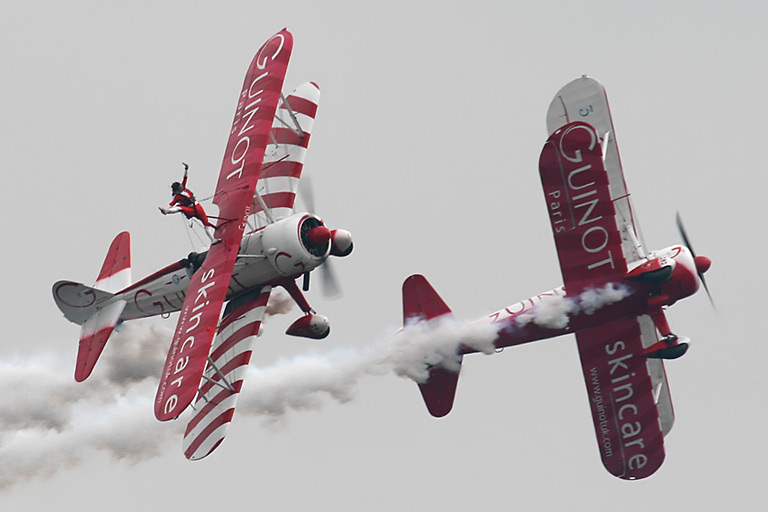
point(264, 244)
point(614, 296)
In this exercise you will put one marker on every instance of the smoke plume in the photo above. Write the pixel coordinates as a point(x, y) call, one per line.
point(50, 422)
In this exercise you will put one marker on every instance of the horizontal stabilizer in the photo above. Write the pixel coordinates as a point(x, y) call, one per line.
point(420, 303)
point(78, 302)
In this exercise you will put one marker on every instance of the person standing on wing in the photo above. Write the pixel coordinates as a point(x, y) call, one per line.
point(184, 202)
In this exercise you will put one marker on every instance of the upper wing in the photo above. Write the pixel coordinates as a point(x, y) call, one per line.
point(284, 157)
point(584, 99)
point(240, 170)
point(224, 375)
point(580, 208)
point(621, 398)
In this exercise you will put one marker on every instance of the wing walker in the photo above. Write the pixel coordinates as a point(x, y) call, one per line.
point(615, 291)
point(260, 243)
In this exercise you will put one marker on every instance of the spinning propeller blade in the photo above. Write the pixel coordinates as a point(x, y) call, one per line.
point(307, 193)
point(687, 242)
point(331, 287)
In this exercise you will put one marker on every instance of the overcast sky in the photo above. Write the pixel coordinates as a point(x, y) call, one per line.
point(426, 145)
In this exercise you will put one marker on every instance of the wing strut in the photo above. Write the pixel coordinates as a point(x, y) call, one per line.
point(223, 382)
point(295, 129)
point(604, 145)
point(263, 205)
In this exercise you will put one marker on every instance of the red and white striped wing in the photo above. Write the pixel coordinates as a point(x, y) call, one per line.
point(230, 355)
point(240, 171)
point(284, 157)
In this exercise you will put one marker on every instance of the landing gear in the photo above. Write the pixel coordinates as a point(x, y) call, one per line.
point(311, 325)
point(670, 346)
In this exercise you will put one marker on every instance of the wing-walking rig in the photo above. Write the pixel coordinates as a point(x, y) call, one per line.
point(261, 243)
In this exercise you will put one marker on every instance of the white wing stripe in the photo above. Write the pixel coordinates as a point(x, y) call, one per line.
point(214, 409)
point(304, 120)
point(305, 99)
point(283, 153)
point(277, 184)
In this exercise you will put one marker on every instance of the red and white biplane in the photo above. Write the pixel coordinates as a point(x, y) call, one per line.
point(264, 244)
point(614, 295)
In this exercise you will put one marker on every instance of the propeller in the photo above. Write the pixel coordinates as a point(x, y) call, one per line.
point(307, 193)
point(330, 283)
point(702, 262)
point(330, 286)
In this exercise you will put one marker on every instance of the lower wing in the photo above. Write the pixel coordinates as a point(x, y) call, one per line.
point(622, 398)
point(223, 378)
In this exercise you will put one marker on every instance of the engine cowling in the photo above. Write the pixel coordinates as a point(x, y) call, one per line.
point(311, 326)
point(296, 244)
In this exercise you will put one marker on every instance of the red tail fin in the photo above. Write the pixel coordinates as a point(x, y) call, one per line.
point(115, 273)
point(421, 302)
point(104, 312)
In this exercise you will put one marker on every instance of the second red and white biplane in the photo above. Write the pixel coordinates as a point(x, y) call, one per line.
point(264, 244)
point(614, 296)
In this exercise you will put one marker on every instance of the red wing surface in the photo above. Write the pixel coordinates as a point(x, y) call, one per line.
point(223, 378)
point(584, 99)
point(240, 170)
point(580, 209)
point(621, 398)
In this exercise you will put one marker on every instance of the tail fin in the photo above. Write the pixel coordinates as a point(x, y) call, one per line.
point(96, 309)
point(421, 302)
point(115, 273)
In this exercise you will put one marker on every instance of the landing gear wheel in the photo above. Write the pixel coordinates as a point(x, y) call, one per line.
point(662, 350)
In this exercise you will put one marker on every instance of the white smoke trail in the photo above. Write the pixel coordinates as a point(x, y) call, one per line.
point(302, 382)
point(279, 303)
point(593, 299)
point(555, 311)
point(50, 422)
point(420, 346)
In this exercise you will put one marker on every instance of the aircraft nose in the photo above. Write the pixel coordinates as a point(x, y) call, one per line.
point(702, 264)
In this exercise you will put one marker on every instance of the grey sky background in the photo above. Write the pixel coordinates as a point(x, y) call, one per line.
point(426, 145)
